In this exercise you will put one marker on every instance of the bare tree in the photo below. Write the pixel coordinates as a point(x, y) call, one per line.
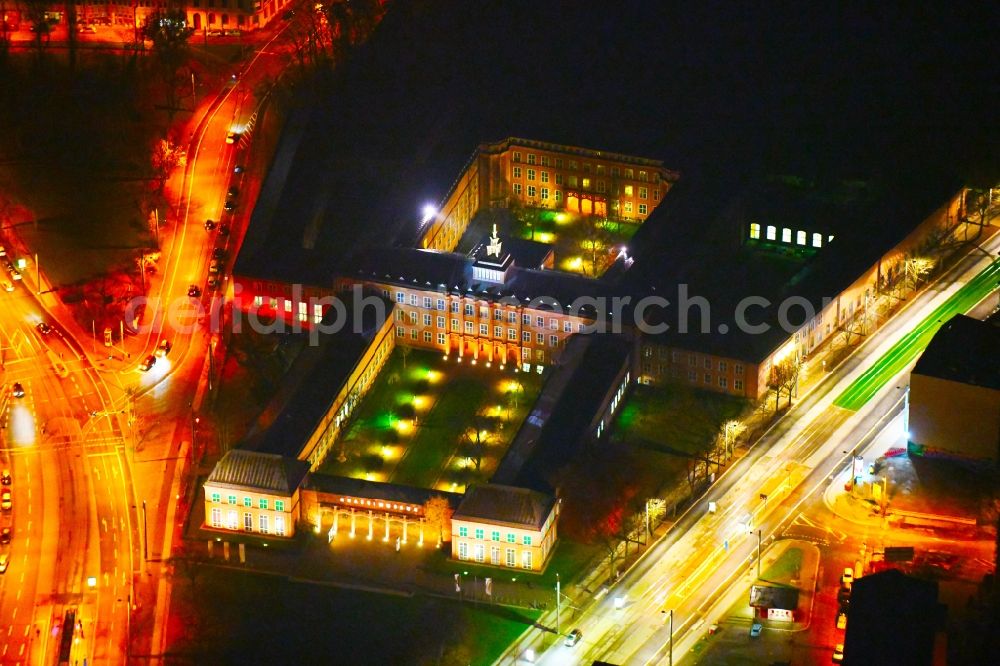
point(784, 379)
point(437, 513)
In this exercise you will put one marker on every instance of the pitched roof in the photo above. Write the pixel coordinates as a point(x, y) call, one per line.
point(963, 350)
point(507, 505)
point(259, 471)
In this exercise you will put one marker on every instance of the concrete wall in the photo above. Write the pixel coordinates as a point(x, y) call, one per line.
point(953, 419)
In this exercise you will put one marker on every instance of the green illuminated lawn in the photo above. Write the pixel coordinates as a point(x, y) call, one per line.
point(913, 343)
point(411, 428)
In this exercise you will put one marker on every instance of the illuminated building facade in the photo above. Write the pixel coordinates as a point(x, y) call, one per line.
point(505, 526)
point(539, 174)
point(254, 493)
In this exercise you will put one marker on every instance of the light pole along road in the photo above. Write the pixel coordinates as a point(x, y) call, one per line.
point(703, 551)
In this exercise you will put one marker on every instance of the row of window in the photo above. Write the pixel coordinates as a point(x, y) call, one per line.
point(480, 533)
point(543, 160)
point(303, 309)
point(479, 555)
point(442, 338)
point(693, 377)
point(263, 522)
point(675, 357)
point(585, 183)
point(469, 310)
point(771, 234)
point(262, 503)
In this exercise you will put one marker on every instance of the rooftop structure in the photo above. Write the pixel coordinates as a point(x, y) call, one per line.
point(505, 505)
point(261, 471)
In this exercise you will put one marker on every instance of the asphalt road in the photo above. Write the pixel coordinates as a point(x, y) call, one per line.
point(704, 552)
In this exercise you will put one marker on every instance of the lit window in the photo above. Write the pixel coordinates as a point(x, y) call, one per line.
point(463, 550)
point(754, 230)
point(468, 327)
point(526, 540)
point(817, 240)
point(288, 306)
point(441, 338)
point(772, 232)
point(247, 502)
point(642, 176)
point(279, 525)
point(511, 561)
point(532, 192)
point(248, 522)
point(463, 531)
point(628, 190)
point(216, 517)
point(511, 538)
point(628, 207)
point(545, 194)
point(526, 559)
point(231, 499)
point(216, 497)
point(231, 519)
point(262, 503)
point(786, 235)
point(480, 533)
point(585, 183)
point(800, 237)
point(263, 524)
point(498, 331)
point(454, 325)
point(495, 535)
point(279, 505)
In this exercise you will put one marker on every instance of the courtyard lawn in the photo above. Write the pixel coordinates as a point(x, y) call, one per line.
point(417, 424)
point(319, 624)
point(674, 418)
point(584, 245)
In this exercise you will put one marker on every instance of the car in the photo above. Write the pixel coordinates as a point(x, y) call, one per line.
point(163, 348)
point(713, 628)
point(5, 501)
point(7, 286)
point(287, 14)
point(3, 251)
point(5, 477)
point(209, 225)
point(233, 33)
point(844, 598)
point(17, 390)
point(3, 563)
point(213, 282)
point(147, 363)
point(89, 29)
point(5, 535)
point(848, 577)
point(223, 229)
point(194, 291)
point(838, 653)
point(232, 192)
point(233, 137)
point(841, 620)
point(229, 206)
point(219, 253)
point(238, 168)
point(573, 637)
point(755, 629)
point(43, 328)
point(15, 274)
point(215, 33)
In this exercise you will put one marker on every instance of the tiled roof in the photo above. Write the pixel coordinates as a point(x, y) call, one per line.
point(259, 471)
point(506, 505)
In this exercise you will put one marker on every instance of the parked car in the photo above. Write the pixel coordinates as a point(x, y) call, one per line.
point(15, 274)
point(3, 563)
point(573, 637)
point(229, 206)
point(209, 225)
point(194, 291)
point(213, 282)
point(3, 251)
point(5, 501)
point(44, 328)
point(147, 363)
point(5, 477)
point(223, 229)
point(838, 653)
point(233, 137)
point(844, 597)
point(238, 168)
point(232, 192)
point(5, 535)
point(90, 29)
point(219, 253)
point(755, 630)
point(163, 348)
point(7, 286)
point(848, 577)
point(17, 390)
point(841, 620)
